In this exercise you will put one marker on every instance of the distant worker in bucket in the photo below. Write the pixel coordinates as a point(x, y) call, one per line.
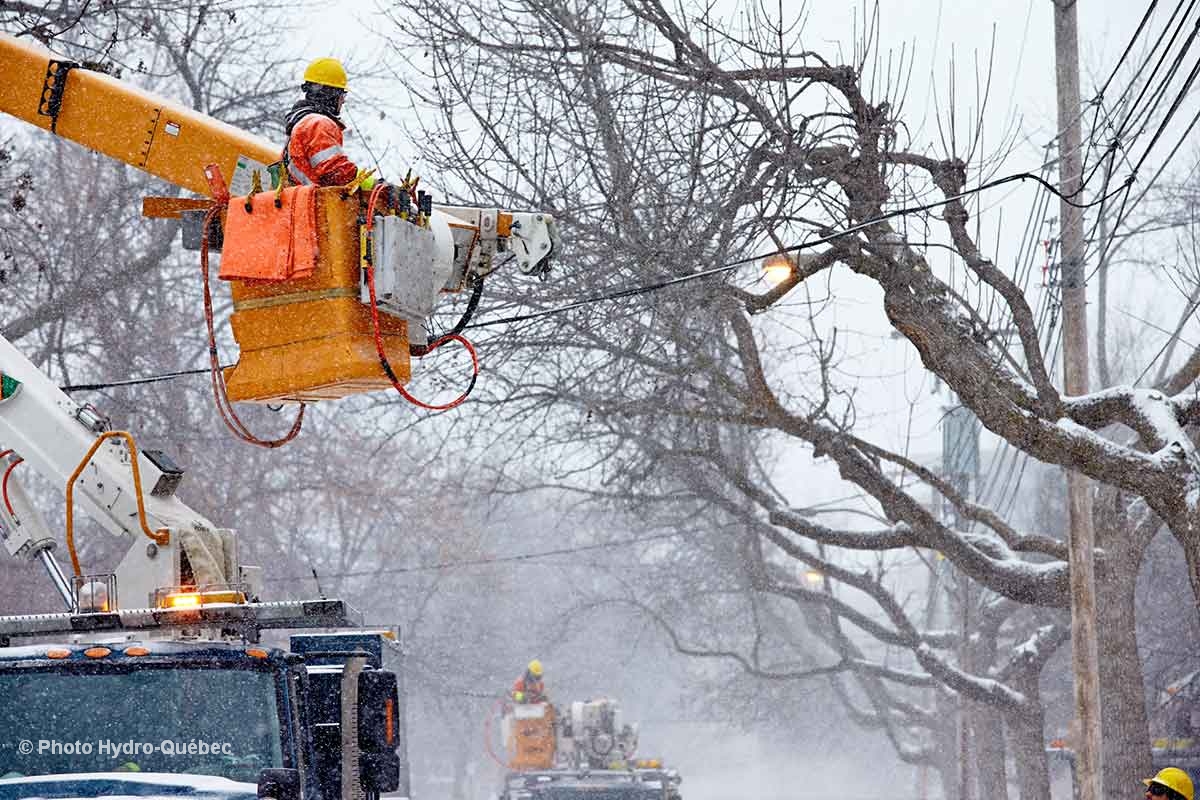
point(530, 688)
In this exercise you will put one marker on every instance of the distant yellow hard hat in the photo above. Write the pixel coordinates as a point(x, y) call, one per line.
point(535, 669)
point(1173, 778)
point(327, 72)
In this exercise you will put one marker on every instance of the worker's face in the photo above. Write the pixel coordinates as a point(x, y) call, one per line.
point(1156, 791)
point(341, 100)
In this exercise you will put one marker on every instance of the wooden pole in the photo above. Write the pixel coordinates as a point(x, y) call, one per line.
point(1075, 367)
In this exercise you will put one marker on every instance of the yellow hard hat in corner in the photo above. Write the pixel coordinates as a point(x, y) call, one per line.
point(1173, 778)
point(327, 72)
point(535, 669)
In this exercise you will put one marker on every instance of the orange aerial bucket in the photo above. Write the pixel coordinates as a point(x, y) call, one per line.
point(311, 338)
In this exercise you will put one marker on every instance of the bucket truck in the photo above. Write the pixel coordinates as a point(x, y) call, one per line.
point(154, 681)
point(351, 320)
point(587, 752)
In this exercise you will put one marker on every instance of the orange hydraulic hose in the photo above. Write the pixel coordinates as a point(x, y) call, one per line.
point(383, 362)
point(217, 376)
point(159, 537)
point(487, 733)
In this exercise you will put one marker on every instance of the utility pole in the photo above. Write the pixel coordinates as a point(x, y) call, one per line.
point(1084, 652)
point(960, 468)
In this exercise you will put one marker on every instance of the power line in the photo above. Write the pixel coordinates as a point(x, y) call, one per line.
point(1146, 113)
point(680, 279)
point(1126, 186)
point(1187, 85)
point(1129, 47)
point(1191, 310)
point(729, 266)
point(165, 376)
point(478, 562)
point(1119, 142)
point(1098, 100)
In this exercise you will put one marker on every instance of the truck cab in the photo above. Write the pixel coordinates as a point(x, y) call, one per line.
point(140, 715)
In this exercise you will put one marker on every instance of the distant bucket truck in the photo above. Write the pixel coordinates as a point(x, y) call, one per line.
point(588, 752)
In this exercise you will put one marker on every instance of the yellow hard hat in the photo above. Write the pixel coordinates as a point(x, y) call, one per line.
point(327, 72)
point(1173, 778)
point(535, 669)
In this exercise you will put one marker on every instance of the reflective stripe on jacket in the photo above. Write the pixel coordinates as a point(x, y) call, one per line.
point(314, 153)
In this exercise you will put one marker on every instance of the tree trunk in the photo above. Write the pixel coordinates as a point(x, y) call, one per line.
point(1191, 551)
point(1026, 737)
point(946, 751)
point(987, 727)
point(1123, 720)
point(985, 722)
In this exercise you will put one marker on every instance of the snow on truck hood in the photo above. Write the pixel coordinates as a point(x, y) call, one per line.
point(78, 786)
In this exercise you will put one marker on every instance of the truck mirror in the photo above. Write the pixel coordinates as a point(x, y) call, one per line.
point(279, 784)
point(378, 730)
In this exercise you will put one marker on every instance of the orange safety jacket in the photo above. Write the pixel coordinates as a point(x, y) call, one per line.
point(314, 153)
point(534, 691)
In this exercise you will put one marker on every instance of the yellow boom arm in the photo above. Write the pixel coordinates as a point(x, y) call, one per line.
point(100, 112)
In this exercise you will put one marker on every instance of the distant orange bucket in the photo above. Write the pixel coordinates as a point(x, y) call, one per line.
point(533, 741)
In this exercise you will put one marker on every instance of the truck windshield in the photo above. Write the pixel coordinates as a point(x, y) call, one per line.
point(201, 721)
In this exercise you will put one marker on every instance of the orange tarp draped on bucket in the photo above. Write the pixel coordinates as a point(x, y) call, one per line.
point(271, 242)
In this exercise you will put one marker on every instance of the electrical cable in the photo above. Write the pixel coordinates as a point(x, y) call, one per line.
point(1121, 213)
point(487, 733)
point(998, 477)
point(1098, 100)
point(1187, 85)
point(729, 266)
point(160, 537)
point(1191, 310)
point(1159, 87)
point(482, 562)
point(1129, 47)
point(164, 376)
point(1119, 142)
point(472, 304)
point(639, 289)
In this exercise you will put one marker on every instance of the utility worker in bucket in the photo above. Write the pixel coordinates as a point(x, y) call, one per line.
point(313, 153)
point(1171, 783)
point(529, 688)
